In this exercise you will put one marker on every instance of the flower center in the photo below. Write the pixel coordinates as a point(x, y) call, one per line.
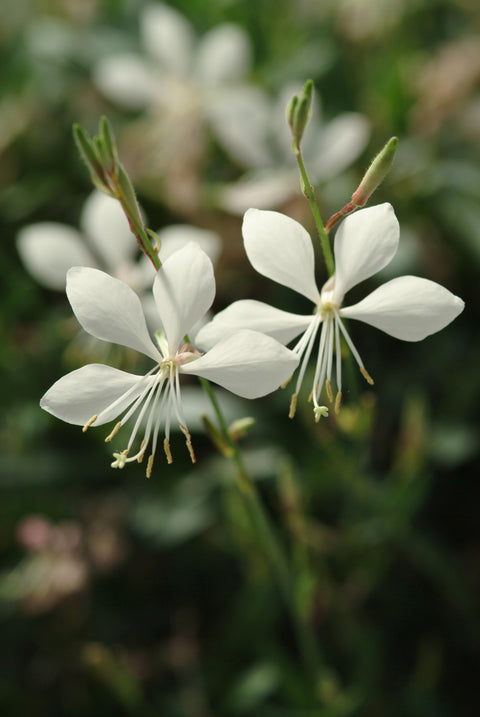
point(326, 321)
point(155, 399)
point(327, 310)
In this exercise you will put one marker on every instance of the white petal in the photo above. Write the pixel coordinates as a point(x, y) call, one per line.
point(248, 363)
point(336, 145)
point(184, 289)
point(108, 309)
point(267, 188)
point(223, 55)
point(167, 36)
point(364, 243)
point(255, 315)
point(125, 79)
point(105, 224)
point(177, 236)
point(241, 121)
point(49, 249)
point(88, 391)
point(281, 249)
point(408, 308)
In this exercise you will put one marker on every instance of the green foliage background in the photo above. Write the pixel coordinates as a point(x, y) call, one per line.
point(176, 611)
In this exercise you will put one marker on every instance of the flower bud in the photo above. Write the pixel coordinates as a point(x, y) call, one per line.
point(90, 154)
point(299, 111)
point(376, 173)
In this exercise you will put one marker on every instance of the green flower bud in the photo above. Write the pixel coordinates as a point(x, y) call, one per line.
point(90, 154)
point(376, 173)
point(299, 111)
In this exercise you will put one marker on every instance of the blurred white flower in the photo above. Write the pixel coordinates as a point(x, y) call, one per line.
point(408, 307)
point(264, 143)
point(246, 363)
point(49, 249)
point(181, 80)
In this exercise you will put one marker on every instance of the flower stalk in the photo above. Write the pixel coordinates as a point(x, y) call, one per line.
point(298, 116)
point(270, 542)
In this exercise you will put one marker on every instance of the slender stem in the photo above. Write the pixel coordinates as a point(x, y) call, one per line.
point(268, 539)
point(335, 218)
point(309, 194)
point(136, 227)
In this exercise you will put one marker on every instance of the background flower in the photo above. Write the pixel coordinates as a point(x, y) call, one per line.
point(266, 146)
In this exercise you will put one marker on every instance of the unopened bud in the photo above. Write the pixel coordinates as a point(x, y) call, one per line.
point(376, 173)
point(299, 111)
point(110, 151)
point(216, 437)
point(238, 428)
point(90, 154)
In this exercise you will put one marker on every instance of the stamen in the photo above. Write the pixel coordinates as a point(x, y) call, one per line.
point(321, 365)
point(188, 441)
point(338, 401)
point(338, 352)
point(141, 452)
point(350, 342)
point(307, 351)
point(148, 472)
point(310, 396)
point(284, 385)
point(366, 375)
point(166, 448)
point(114, 432)
point(329, 353)
point(293, 406)
point(89, 422)
point(328, 387)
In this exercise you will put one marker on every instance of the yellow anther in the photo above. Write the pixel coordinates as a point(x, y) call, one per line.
point(293, 405)
point(338, 401)
point(148, 472)
point(328, 387)
point(114, 432)
point(366, 375)
point(191, 451)
point(188, 441)
point(284, 385)
point(89, 422)
point(310, 397)
point(141, 452)
point(166, 448)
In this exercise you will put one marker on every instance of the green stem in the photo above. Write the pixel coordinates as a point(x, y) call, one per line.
point(137, 228)
point(335, 218)
point(309, 194)
point(268, 539)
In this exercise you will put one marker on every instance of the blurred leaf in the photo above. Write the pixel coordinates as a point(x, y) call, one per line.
point(253, 688)
point(450, 446)
point(175, 517)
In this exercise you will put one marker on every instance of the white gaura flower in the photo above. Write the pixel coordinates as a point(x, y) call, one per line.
point(266, 149)
point(105, 241)
point(408, 307)
point(50, 249)
point(181, 81)
point(247, 363)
